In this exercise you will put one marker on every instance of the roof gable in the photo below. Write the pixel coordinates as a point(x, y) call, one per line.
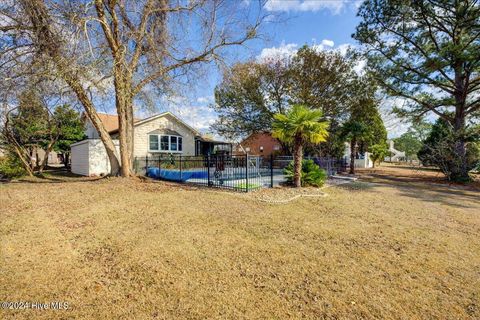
point(171, 115)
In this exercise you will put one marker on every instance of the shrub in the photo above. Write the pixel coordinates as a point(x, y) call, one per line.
point(311, 174)
point(439, 150)
point(11, 167)
point(378, 152)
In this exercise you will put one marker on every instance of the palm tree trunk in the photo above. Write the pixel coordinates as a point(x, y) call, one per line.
point(297, 162)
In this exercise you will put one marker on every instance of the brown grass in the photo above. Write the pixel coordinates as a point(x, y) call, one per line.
point(118, 249)
point(401, 174)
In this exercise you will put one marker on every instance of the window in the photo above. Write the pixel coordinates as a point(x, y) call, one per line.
point(164, 140)
point(173, 143)
point(153, 142)
point(159, 142)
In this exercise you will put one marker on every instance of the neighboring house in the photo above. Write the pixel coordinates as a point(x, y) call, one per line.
point(160, 134)
point(53, 157)
point(361, 160)
point(395, 155)
point(261, 143)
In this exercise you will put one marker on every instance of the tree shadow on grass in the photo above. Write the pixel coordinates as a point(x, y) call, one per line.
point(451, 195)
point(56, 175)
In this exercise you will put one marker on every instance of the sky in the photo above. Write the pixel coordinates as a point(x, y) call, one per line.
point(328, 24)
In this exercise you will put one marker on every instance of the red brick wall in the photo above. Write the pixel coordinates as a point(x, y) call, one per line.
point(256, 141)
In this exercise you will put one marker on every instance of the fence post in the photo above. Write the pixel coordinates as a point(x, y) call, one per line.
point(180, 160)
point(271, 170)
point(208, 169)
point(146, 165)
point(246, 172)
point(135, 165)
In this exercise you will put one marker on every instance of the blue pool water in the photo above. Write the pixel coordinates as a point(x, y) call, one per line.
point(175, 175)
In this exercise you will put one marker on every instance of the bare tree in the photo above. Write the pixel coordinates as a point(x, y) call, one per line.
point(36, 45)
point(138, 43)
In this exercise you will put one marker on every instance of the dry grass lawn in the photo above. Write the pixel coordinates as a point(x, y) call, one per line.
point(117, 249)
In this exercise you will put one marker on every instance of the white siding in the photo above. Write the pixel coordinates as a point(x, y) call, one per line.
point(79, 157)
point(89, 158)
point(99, 163)
point(166, 122)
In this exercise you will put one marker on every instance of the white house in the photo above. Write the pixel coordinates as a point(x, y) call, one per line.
point(163, 133)
point(395, 155)
point(362, 160)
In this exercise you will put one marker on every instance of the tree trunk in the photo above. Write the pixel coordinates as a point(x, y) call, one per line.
point(124, 107)
point(460, 167)
point(44, 161)
point(47, 152)
point(297, 162)
point(21, 152)
point(37, 158)
point(21, 156)
point(66, 158)
point(130, 133)
point(353, 143)
point(49, 43)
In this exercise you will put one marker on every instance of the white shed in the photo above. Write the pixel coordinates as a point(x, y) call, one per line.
point(89, 157)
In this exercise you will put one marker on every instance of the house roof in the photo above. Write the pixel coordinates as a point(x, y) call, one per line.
point(165, 114)
point(261, 133)
point(111, 124)
point(110, 121)
point(208, 139)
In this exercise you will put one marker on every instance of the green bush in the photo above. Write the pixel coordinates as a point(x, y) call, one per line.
point(11, 167)
point(311, 174)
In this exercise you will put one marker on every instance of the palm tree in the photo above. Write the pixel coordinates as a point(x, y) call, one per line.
point(299, 125)
point(354, 131)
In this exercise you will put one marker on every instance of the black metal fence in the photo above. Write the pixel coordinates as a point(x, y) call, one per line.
point(241, 173)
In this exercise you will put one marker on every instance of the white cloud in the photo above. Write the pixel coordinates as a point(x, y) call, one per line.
point(199, 117)
point(335, 6)
point(288, 50)
point(284, 51)
point(206, 99)
point(357, 4)
point(245, 3)
point(328, 43)
point(360, 67)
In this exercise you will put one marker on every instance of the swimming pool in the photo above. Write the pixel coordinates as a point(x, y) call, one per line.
point(176, 175)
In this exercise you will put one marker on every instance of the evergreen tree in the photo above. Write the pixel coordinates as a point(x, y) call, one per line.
point(364, 127)
point(438, 149)
point(427, 53)
point(70, 130)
